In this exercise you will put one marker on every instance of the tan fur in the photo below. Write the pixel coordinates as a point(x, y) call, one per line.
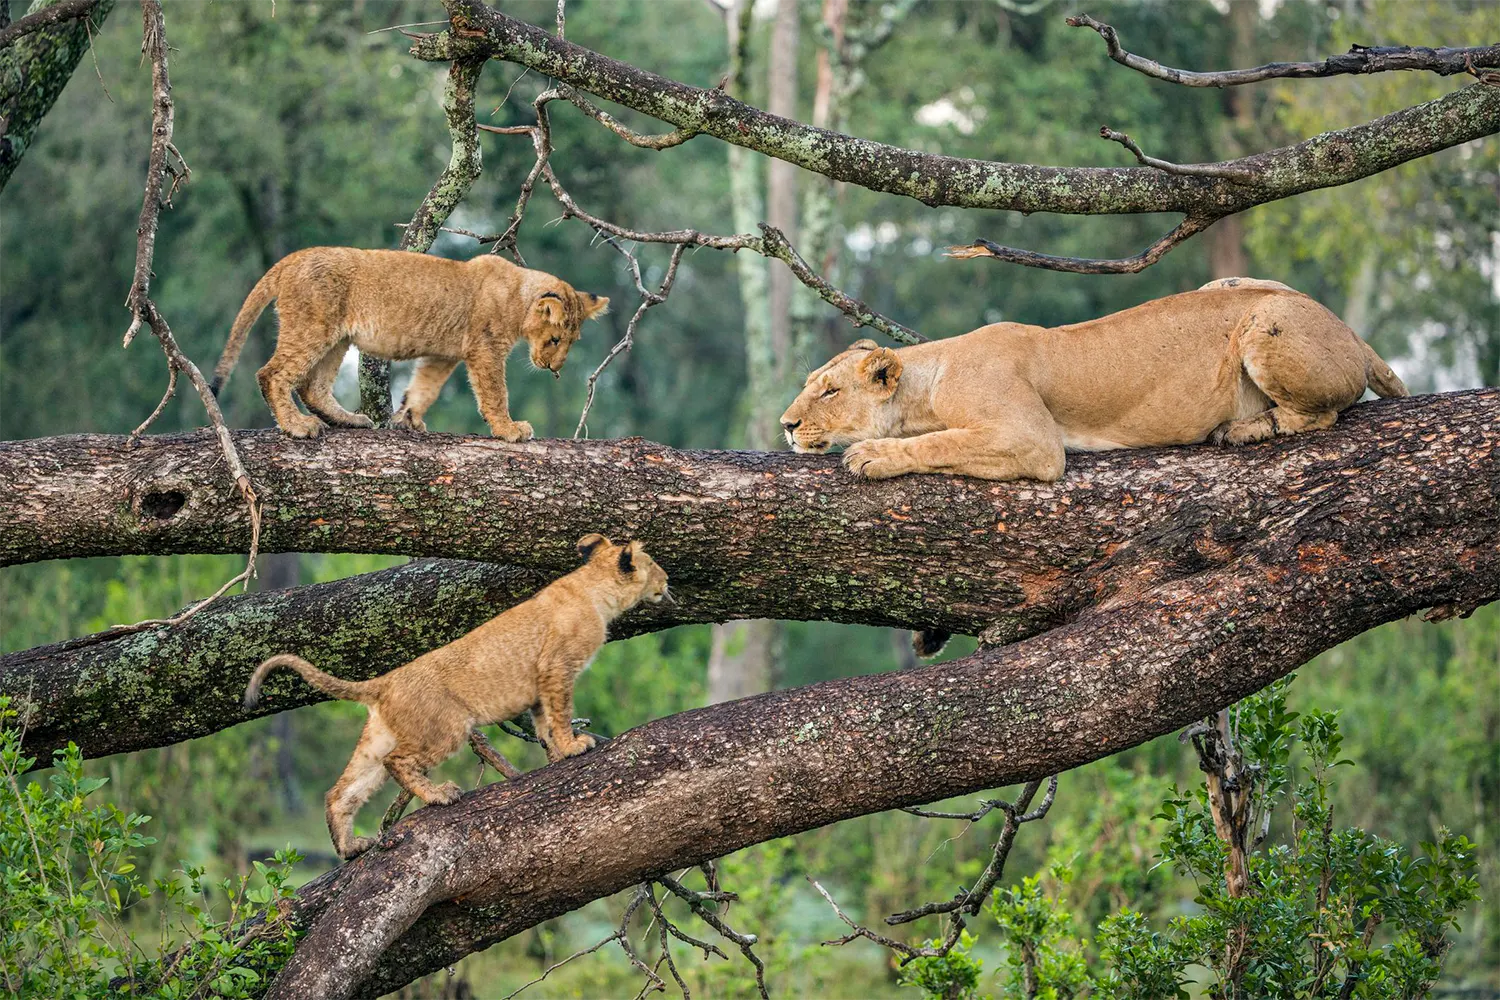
point(1237, 361)
point(527, 658)
point(399, 305)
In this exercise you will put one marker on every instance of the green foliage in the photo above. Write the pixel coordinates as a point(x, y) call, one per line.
point(70, 889)
point(1329, 912)
point(954, 976)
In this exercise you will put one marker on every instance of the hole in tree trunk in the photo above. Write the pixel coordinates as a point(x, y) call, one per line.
point(163, 505)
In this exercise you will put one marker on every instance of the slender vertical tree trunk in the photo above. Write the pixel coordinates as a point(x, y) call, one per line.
point(781, 188)
point(1226, 239)
point(742, 661)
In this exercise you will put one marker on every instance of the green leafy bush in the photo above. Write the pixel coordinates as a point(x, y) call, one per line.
point(69, 888)
point(1326, 913)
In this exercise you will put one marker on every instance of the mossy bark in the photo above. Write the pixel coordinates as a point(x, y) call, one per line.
point(34, 69)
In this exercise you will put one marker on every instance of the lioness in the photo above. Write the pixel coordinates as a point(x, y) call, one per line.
point(526, 658)
point(399, 305)
point(1239, 360)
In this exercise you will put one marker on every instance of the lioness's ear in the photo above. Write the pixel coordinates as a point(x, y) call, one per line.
point(883, 368)
point(627, 559)
point(593, 305)
point(588, 543)
point(550, 305)
point(863, 345)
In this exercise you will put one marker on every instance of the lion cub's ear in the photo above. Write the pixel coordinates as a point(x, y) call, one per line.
point(863, 345)
point(627, 557)
point(882, 368)
point(550, 305)
point(593, 306)
point(588, 543)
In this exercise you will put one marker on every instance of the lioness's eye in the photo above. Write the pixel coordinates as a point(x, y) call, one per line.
point(829, 392)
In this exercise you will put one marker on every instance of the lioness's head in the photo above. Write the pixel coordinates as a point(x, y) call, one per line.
point(553, 320)
point(847, 400)
point(628, 564)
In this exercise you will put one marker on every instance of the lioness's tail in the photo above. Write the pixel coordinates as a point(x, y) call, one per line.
point(361, 691)
point(266, 289)
point(1380, 377)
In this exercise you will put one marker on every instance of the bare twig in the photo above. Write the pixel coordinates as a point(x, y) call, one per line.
point(967, 901)
point(698, 902)
point(56, 13)
point(776, 245)
point(1189, 227)
point(648, 299)
point(657, 142)
point(144, 312)
point(1359, 59)
point(1235, 174)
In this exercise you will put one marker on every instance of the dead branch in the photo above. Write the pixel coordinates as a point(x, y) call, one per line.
point(1188, 228)
point(1359, 59)
point(1238, 175)
point(144, 312)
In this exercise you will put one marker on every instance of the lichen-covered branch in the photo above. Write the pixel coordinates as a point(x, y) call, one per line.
point(1327, 160)
point(53, 13)
point(35, 65)
point(744, 535)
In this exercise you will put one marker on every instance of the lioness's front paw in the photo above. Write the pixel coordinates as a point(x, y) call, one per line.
point(516, 430)
point(404, 418)
point(881, 458)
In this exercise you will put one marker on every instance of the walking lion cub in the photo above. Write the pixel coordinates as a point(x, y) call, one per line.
point(1237, 361)
point(399, 305)
point(526, 658)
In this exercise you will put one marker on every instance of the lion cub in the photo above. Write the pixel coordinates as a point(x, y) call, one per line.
point(400, 305)
point(526, 658)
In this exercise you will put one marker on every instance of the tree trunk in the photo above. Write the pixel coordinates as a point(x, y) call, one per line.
point(1416, 527)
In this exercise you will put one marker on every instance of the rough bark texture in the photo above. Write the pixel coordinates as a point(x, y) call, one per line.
point(33, 71)
point(743, 535)
point(1346, 540)
point(1327, 160)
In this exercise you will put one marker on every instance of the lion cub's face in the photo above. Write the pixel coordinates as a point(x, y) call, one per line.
point(629, 564)
point(553, 320)
point(847, 400)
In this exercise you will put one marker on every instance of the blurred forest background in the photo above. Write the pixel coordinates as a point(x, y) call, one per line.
point(307, 124)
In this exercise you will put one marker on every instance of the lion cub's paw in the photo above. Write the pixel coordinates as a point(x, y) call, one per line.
point(404, 418)
point(447, 794)
point(880, 458)
point(304, 426)
point(355, 847)
point(516, 430)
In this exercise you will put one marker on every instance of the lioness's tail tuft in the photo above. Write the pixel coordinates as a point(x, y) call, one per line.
point(336, 687)
point(930, 641)
point(1381, 379)
point(214, 385)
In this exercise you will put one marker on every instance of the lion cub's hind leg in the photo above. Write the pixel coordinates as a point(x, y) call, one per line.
point(300, 345)
point(362, 778)
point(317, 390)
point(1307, 362)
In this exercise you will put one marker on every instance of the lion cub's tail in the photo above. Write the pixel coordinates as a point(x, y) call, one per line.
point(1380, 377)
point(266, 289)
point(360, 691)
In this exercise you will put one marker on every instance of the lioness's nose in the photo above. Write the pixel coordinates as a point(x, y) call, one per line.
point(791, 425)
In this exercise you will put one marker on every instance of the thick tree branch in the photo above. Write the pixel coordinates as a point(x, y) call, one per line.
point(743, 535)
point(35, 65)
point(1324, 161)
point(1359, 59)
point(1352, 551)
